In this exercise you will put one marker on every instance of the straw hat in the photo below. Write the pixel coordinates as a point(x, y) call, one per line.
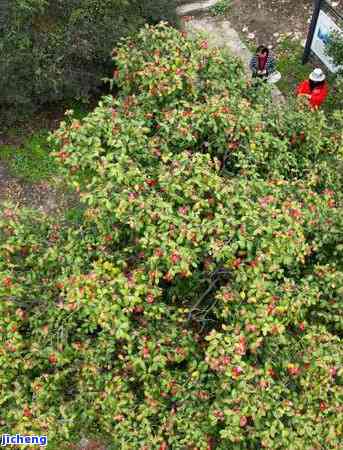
point(317, 75)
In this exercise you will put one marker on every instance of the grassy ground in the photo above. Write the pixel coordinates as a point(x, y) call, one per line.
point(289, 63)
point(31, 161)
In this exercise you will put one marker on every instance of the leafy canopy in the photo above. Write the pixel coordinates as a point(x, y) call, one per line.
point(198, 303)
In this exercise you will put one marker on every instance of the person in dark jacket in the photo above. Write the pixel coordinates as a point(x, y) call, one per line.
point(262, 64)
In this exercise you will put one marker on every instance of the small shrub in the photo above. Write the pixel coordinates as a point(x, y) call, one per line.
point(32, 161)
point(221, 7)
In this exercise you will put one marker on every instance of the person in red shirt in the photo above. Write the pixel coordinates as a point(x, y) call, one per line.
point(315, 88)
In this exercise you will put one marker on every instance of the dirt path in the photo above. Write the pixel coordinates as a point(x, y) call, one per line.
point(267, 22)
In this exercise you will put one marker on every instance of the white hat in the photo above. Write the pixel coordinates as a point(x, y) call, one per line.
point(317, 75)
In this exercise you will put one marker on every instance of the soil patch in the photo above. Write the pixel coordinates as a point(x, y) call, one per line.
point(267, 22)
point(47, 198)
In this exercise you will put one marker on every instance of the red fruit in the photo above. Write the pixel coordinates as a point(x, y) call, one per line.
point(183, 210)
point(263, 384)
point(27, 412)
point(296, 213)
point(151, 183)
point(132, 196)
point(21, 313)
point(251, 328)
point(218, 414)
point(138, 309)
point(243, 421)
point(146, 352)
point(163, 446)
point(175, 258)
point(237, 262)
point(237, 371)
point(272, 373)
point(10, 347)
point(227, 296)
point(270, 309)
point(7, 281)
point(168, 277)
point(233, 145)
point(119, 418)
point(302, 327)
point(240, 348)
point(226, 360)
point(62, 155)
point(293, 139)
point(76, 125)
point(333, 371)
point(150, 298)
point(53, 359)
point(184, 274)
point(265, 201)
point(293, 370)
point(204, 44)
point(322, 406)
point(331, 203)
point(158, 252)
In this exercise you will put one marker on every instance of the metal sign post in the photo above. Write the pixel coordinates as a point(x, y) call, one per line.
point(307, 51)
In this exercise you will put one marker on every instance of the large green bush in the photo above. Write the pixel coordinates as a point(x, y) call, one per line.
point(199, 303)
point(53, 50)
